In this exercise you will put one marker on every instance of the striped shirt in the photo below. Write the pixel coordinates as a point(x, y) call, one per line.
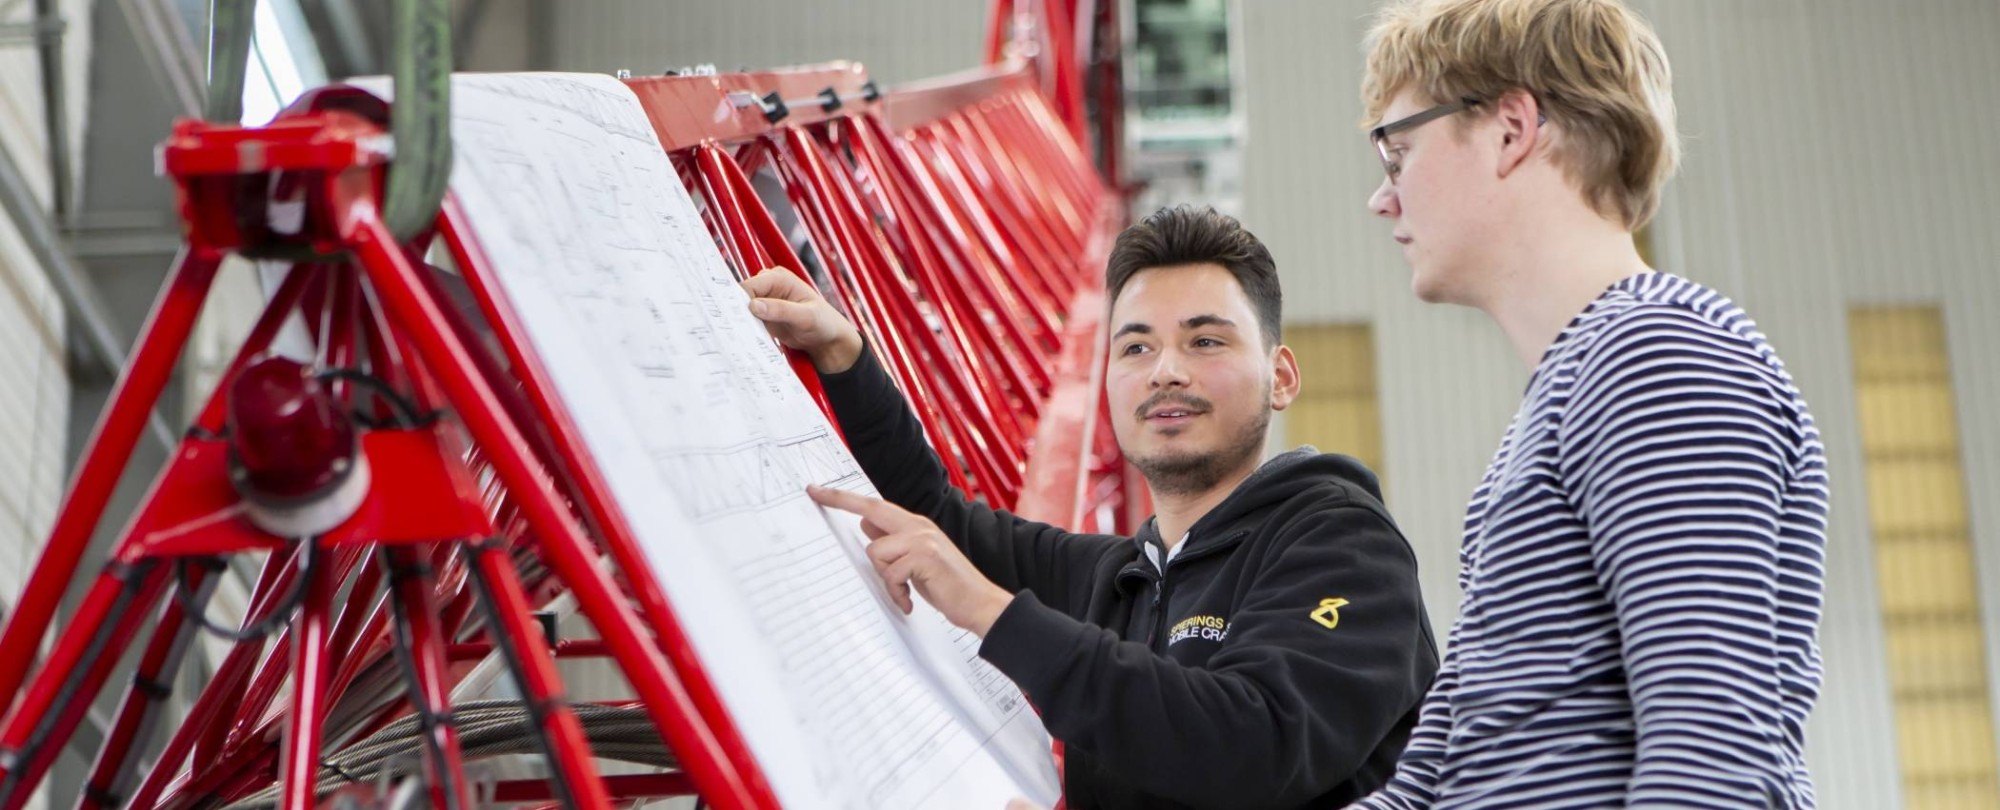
point(1642, 571)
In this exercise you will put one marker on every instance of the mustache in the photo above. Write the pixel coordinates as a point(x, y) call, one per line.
point(1164, 397)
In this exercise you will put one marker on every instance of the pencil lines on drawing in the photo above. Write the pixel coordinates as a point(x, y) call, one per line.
point(748, 477)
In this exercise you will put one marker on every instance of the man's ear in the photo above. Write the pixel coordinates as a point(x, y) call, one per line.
point(1520, 118)
point(1284, 378)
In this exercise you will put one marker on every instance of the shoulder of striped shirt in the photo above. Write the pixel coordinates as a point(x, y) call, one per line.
point(1633, 324)
point(1635, 327)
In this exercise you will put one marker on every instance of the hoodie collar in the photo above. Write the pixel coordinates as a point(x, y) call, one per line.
point(1285, 475)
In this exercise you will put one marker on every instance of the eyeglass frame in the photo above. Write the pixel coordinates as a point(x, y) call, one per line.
point(1380, 135)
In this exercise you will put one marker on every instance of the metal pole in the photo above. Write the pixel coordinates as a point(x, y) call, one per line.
point(168, 46)
point(55, 102)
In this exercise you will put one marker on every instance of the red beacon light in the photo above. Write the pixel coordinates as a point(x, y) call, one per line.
point(294, 453)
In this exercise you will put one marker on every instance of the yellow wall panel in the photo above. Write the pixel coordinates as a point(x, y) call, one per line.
point(1923, 559)
point(1937, 656)
point(1945, 738)
point(1977, 794)
point(1338, 409)
point(1925, 577)
point(1915, 494)
point(1908, 416)
point(1898, 343)
point(1334, 358)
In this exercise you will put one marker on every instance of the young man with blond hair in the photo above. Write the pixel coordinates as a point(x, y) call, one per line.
point(1642, 566)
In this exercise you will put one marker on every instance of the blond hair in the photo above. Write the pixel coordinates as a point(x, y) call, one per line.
point(1594, 66)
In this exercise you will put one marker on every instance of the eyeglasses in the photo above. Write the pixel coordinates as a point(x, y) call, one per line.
point(1380, 135)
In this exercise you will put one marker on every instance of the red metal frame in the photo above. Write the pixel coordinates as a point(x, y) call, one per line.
point(430, 668)
point(1042, 31)
point(860, 273)
point(746, 230)
point(999, 223)
point(112, 441)
point(714, 754)
point(984, 365)
point(1074, 47)
point(966, 243)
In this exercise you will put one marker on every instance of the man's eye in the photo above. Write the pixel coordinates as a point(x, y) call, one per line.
point(1207, 342)
point(1133, 348)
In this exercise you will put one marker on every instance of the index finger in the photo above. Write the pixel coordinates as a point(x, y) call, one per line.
point(883, 514)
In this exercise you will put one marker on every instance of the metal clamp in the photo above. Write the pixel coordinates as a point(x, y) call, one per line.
point(774, 107)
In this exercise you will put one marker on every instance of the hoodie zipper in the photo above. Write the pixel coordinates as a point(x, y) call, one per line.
point(1160, 589)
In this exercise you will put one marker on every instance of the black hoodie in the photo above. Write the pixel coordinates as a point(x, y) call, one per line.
point(1278, 661)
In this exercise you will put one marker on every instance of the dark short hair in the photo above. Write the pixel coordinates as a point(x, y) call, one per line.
point(1184, 235)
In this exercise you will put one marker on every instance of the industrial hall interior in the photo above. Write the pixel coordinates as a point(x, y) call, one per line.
point(1010, 404)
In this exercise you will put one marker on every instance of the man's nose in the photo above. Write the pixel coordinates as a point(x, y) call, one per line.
point(1384, 201)
point(1168, 371)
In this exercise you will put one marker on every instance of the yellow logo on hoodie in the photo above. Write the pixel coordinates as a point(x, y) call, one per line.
point(1206, 628)
point(1328, 612)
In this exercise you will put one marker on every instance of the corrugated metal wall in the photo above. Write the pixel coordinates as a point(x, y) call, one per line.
point(1838, 153)
point(34, 381)
point(1448, 384)
point(34, 407)
point(34, 377)
point(899, 40)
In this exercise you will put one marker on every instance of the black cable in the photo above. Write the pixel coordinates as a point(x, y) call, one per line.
point(487, 729)
point(279, 614)
point(504, 645)
point(406, 414)
point(429, 720)
point(132, 576)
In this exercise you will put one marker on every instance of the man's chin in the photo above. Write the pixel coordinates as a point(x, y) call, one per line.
point(1188, 464)
point(1175, 444)
point(1180, 471)
point(1169, 458)
point(1426, 288)
point(1434, 287)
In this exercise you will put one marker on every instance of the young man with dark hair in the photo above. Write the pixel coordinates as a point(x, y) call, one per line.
point(1643, 564)
point(1261, 643)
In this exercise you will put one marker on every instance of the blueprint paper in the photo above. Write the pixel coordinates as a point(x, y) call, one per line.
point(707, 441)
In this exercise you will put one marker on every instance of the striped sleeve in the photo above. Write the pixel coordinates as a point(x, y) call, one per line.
point(1675, 447)
point(1415, 783)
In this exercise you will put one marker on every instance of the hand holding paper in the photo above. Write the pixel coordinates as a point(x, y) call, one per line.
point(796, 314)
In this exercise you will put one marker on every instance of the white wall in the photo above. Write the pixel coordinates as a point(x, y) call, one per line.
point(1838, 153)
